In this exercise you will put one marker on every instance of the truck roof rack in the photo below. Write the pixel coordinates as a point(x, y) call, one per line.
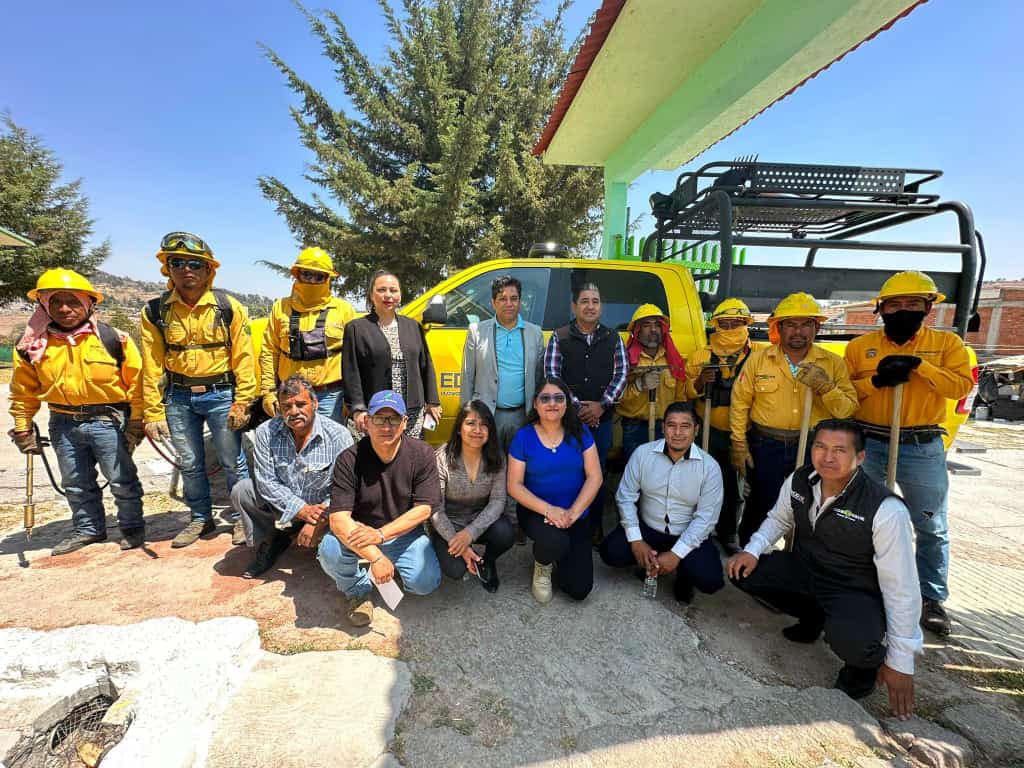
point(789, 205)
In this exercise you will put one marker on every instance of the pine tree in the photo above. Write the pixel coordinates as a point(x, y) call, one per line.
point(32, 203)
point(432, 166)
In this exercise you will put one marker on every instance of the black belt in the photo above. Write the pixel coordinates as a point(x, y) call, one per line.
point(916, 435)
point(779, 435)
point(200, 384)
point(509, 408)
point(92, 411)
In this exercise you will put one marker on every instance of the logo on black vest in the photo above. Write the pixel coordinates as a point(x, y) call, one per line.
point(796, 497)
point(848, 515)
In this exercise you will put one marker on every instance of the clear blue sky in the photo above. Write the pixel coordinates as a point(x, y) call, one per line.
point(170, 112)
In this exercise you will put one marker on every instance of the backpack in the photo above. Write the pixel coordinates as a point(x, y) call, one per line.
point(157, 309)
point(110, 339)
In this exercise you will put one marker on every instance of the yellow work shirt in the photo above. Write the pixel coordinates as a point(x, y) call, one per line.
point(634, 402)
point(944, 374)
point(276, 366)
point(83, 374)
point(766, 393)
point(694, 363)
point(194, 326)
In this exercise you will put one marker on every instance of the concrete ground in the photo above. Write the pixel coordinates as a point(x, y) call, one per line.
point(497, 680)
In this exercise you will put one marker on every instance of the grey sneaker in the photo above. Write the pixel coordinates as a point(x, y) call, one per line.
point(76, 541)
point(191, 532)
point(238, 533)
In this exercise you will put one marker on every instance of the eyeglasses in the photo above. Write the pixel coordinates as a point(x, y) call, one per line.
point(185, 241)
point(386, 421)
point(546, 398)
point(311, 276)
point(196, 265)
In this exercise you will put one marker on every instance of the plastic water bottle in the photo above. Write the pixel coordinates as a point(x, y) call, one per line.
point(650, 588)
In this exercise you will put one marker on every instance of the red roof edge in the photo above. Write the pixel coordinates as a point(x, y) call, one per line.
point(602, 25)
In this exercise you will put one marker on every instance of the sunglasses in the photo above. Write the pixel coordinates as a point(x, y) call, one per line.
point(549, 398)
point(185, 241)
point(311, 276)
point(196, 265)
point(386, 421)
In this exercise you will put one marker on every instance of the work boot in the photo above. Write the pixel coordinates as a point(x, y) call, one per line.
point(934, 617)
point(541, 587)
point(191, 532)
point(266, 555)
point(133, 539)
point(802, 632)
point(856, 682)
point(238, 533)
point(358, 610)
point(77, 541)
point(488, 573)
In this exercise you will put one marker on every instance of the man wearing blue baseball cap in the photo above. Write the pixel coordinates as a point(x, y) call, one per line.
point(383, 489)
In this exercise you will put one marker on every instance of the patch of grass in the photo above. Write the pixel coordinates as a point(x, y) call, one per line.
point(397, 745)
point(355, 645)
point(445, 719)
point(422, 683)
point(568, 742)
point(1005, 680)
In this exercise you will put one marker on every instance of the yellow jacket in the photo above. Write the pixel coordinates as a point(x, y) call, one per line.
point(944, 373)
point(275, 365)
point(83, 374)
point(634, 402)
point(767, 394)
point(195, 326)
point(694, 363)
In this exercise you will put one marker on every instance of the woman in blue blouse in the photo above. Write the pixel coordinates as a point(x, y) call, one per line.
point(554, 474)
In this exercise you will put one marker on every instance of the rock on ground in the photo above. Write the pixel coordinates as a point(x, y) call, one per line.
point(930, 744)
point(999, 735)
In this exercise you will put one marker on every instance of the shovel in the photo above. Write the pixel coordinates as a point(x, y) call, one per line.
point(801, 450)
point(30, 506)
point(894, 437)
point(652, 396)
point(705, 438)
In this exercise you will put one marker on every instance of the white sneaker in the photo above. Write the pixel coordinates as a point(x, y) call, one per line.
point(541, 583)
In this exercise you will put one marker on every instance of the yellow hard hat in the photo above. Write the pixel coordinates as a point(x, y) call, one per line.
point(644, 310)
point(798, 305)
point(732, 308)
point(910, 283)
point(60, 279)
point(185, 244)
point(315, 259)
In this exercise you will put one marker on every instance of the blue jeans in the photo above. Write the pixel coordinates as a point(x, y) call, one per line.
point(80, 446)
point(411, 553)
point(634, 434)
point(922, 479)
point(603, 441)
point(329, 404)
point(186, 414)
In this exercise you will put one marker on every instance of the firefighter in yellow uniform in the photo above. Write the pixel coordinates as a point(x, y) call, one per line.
point(304, 335)
point(933, 367)
point(654, 367)
point(767, 402)
point(198, 369)
point(89, 375)
point(710, 374)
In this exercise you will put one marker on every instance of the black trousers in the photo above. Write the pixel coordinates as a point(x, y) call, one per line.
point(570, 549)
point(701, 568)
point(774, 461)
point(497, 539)
point(854, 622)
point(728, 520)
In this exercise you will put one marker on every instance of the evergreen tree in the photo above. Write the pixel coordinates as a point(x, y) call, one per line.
point(432, 164)
point(32, 203)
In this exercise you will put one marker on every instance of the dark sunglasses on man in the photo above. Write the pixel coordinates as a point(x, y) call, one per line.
point(185, 241)
point(180, 262)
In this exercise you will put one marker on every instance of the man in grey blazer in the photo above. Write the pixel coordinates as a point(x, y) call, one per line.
point(502, 359)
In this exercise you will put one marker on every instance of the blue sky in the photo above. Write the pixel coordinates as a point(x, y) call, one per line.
point(169, 112)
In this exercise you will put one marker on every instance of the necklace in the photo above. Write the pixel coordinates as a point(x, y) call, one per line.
point(554, 448)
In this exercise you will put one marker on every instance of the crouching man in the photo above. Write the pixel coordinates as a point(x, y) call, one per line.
point(293, 459)
point(851, 572)
point(384, 488)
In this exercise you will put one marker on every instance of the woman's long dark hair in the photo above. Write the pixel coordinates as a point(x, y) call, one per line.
point(373, 281)
point(570, 419)
point(493, 456)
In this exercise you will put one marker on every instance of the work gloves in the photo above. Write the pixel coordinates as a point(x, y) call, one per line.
point(739, 457)
point(157, 430)
point(269, 403)
point(894, 369)
point(649, 379)
point(133, 434)
point(815, 378)
point(25, 441)
point(238, 416)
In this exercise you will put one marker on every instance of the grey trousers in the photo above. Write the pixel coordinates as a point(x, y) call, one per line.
point(258, 517)
point(509, 420)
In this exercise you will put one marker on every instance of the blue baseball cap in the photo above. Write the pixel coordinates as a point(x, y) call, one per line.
point(386, 398)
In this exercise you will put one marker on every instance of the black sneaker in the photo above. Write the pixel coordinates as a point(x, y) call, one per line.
point(191, 533)
point(76, 541)
point(487, 572)
point(266, 555)
point(802, 632)
point(856, 682)
point(133, 539)
point(934, 617)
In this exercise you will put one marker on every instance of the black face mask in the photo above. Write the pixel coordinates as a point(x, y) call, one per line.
point(901, 325)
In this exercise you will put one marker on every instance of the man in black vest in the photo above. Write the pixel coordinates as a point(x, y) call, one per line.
point(851, 572)
point(591, 359)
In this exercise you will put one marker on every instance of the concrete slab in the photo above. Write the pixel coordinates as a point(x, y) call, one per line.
point(999, 735)
point(313, 710)
point(931, 744)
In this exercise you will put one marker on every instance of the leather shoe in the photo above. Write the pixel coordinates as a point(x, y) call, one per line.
point(934, 617)
point(76, 541)
point(133, 539)
point(856, 682)
point(488, 575)
point(266, 555)
point(191, 533)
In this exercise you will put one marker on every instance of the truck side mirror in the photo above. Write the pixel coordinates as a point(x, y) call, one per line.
point(436, 312)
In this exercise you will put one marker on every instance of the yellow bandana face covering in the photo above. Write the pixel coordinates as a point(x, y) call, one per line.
point(725, 343)
point(309, 296)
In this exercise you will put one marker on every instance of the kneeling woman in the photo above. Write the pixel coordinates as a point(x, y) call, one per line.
point(554, 474)
point(471, 468)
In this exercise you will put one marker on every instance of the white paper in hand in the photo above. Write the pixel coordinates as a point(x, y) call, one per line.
point(390, 591)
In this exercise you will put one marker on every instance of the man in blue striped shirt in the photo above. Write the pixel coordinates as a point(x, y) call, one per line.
point(294, 456)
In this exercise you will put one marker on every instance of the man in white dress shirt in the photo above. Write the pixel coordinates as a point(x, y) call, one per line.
point(851, 572)
point(669, 500)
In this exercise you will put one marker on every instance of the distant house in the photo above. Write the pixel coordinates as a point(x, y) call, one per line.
point(9, 239)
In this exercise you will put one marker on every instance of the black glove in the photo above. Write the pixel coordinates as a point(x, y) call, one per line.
point(894, 369)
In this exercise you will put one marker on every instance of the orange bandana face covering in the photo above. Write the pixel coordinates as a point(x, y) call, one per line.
point(726, 343)
point(307, 297)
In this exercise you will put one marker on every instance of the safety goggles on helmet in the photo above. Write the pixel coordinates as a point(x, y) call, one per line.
point(185, 241)
point(180, 262)
point(311, 276)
